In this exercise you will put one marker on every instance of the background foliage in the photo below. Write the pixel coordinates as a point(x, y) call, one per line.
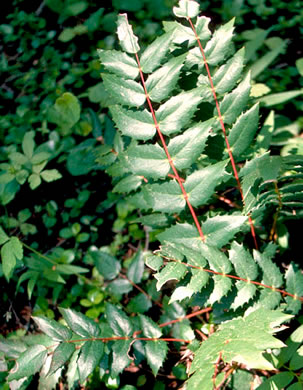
point(68, 237)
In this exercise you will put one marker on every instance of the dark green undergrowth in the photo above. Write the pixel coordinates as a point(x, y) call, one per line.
point(149, 217)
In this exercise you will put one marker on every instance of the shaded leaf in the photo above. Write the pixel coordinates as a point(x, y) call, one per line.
point(90, 355)
point(80, 324)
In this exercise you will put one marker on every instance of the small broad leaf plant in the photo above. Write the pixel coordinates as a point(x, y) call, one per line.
point(187, 139)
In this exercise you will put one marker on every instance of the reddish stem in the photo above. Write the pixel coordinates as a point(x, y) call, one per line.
point(283, 292)
point(194, 314)
point(252, 228)
point(178, 178)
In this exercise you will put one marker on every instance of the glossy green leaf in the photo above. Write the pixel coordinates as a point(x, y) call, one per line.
point(119, 63)
point(108, 266)
point(29, 362)
point(219, 46)
point(166, 197)
point(53, 329)
point(80, 324)
point(118, 321)
point(126, 92)
point(294, 285)
point(149, 161)
point(242, 133)
point(121, 357)
point(136, 268)
point(173, 115)
point(278, 381)
point(227, 75)
point(200, 185)
point(184, 149)
point(161, 83)
point(223, 285)
point(60, 356)
point(172, 271)
point(271, 273)
point(243, 262)
point(90, 355)
point(136, 124)
point(219, 230)
point(128, 184)
point(279, 98)
point(128, 41)
point(187, 9)
point(183, 34)
point(243, 340)
point(155, 53)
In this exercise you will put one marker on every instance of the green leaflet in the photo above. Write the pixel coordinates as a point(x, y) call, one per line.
point(107, 265)
point(184, 149)
point(228, 74)
point(149, 161)
point(165, 197)
point(174, 114)
point(220, 229)
point(119, 63)
point(261, 168)
point(136, 124)
point(222, 287)
point(219, 46)
point(128, 184)
point(271, 273)
point(234, 103)
point(136, 268)
point(120, 356)
point(243, 262)
point(242, 133)
point(187, 9)
point(243, 340)
point(118, 321)
point(155, 350)
point(11, 251)
point(80, 324)
point(128, 41)
point(245, 292)
point(60, 356)
point(53, 329)
point(90, 354)
point(126, 92)
point(161, 83)
point(29, 362)
point(155, 53)
point(172, 271)
point(294, 285)
point(200, 185)
point(183, 34)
